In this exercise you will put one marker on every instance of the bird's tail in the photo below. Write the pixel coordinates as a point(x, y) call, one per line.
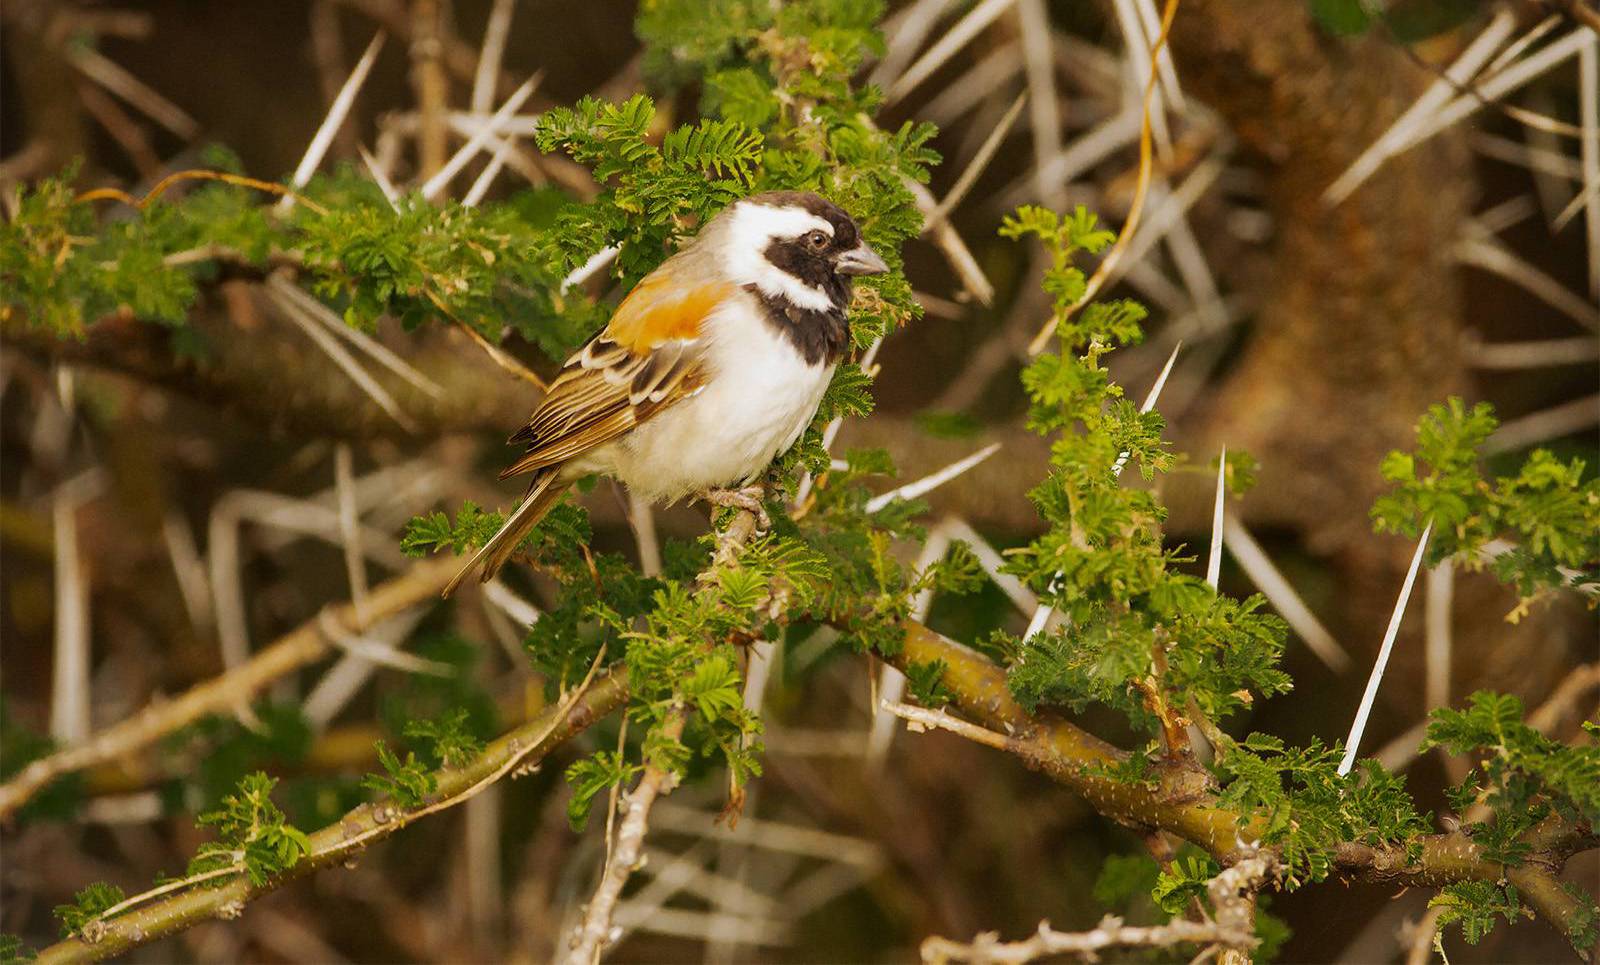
point(543, 493)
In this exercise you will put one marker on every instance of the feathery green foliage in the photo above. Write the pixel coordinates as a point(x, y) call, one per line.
point(1548, 512)
point(87, 905)
point(251, 830)
point(407, 783)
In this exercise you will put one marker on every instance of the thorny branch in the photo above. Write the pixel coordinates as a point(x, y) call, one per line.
point(1231, 892)
point(597, 932)
point(1183, 800)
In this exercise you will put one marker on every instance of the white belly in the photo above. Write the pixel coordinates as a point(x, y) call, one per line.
point(761, 395)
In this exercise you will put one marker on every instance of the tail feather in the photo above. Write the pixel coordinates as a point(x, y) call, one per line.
point(544, 492)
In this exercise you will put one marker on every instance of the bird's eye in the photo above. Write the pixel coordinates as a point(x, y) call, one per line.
point(817, 239)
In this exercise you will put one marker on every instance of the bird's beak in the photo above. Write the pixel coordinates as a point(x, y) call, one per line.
point(860, 260)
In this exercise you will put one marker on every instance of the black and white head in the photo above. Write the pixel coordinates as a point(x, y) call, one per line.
point(797, 246)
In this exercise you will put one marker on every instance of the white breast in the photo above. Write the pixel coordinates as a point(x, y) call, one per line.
point(759, 397)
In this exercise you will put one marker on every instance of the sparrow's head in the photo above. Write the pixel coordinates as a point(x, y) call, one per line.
point(797, 245)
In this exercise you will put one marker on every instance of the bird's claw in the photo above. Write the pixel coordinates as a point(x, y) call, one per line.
point(748, 499)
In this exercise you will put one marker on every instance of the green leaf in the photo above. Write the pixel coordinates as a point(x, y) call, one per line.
point(591, 775)
point(87, 905)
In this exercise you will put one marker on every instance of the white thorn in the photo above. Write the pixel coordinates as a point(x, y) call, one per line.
point(433, 186)
point(1353, 742)
point(1214, 564)
point(337, 112)
point(927, 483)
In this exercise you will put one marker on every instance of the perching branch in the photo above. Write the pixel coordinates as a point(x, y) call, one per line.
point(520, 748)
point(1183, 798)
point(305, 645)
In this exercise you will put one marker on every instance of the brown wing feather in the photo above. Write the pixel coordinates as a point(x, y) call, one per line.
point(648, 358)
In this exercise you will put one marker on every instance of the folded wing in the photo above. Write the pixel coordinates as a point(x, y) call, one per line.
point(648, 358)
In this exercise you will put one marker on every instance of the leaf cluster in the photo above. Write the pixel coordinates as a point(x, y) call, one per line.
point(252, 830)
point(1522, 775)
point(1135, 625)
point(1294, 798)
point(1548, 510)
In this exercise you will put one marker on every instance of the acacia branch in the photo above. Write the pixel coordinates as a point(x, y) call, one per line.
point(1232, 897)
point(303, 646)
point(338, 842)
point(1183, 799)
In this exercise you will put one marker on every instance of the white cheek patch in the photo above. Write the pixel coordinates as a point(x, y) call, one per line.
point(754, 227)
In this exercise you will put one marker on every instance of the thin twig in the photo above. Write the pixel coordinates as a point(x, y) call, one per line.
point(919, 719)
point(431, 84)
point(162, 912)
point(891, 682)
point(1233, 928)
point(594, 934)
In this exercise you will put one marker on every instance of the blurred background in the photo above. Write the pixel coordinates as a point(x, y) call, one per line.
point(1339, 233)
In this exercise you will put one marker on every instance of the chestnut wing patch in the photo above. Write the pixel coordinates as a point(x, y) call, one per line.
point(661, 309)
point(648, 358)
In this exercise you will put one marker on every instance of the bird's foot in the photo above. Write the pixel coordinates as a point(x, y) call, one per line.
point(748, 499)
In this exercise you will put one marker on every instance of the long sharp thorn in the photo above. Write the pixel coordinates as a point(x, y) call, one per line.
point(1353, 743)
point(337, 112)
point(1214, 563)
